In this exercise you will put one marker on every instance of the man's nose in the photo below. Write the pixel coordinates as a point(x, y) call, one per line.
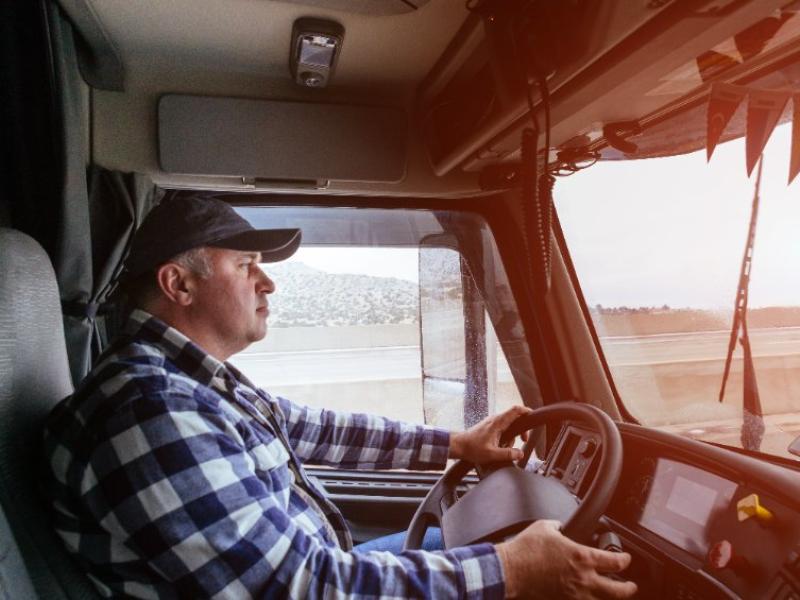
point(265, 284)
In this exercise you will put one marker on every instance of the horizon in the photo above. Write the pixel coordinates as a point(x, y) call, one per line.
point(591, 307)
point(653, 232)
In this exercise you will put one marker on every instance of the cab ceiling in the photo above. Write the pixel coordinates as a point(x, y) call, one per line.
point(240, 48)
point(252, 37)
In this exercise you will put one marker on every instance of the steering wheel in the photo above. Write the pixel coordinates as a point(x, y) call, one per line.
point(509, 498)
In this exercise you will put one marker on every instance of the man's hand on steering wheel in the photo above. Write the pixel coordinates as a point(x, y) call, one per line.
point(541, 563)
point(480, 444)
point(541, 560)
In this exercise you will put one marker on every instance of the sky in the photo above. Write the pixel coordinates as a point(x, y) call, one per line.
point(672, 230)
point(401, 263)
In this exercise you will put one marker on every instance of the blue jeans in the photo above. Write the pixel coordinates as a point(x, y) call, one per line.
point(394, 543)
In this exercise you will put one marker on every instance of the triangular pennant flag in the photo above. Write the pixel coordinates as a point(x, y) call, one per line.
point(725, 99)
point(764, 109)
point(794, 165)
point(712, 63)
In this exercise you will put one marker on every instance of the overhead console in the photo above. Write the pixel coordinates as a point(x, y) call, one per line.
point(604, 64)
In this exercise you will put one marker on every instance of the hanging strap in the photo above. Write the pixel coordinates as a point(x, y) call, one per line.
point(537, 206)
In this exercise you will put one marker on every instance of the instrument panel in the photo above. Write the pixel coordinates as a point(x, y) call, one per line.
point(700, 521)
point(676, 501)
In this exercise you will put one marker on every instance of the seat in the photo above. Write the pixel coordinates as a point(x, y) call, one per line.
point(34, 376)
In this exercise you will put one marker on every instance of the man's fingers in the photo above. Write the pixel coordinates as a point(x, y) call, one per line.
point(609, 562)
point(610, 588)
point(504, 454)
point(550, 524)
point(511, 415)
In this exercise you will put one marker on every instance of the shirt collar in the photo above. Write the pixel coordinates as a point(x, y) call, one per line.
point(187, 356)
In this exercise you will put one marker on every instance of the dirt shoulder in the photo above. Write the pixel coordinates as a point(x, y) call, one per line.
point(651, 321)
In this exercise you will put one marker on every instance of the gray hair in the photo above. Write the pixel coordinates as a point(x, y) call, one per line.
point(145, 289)
point(195, 260)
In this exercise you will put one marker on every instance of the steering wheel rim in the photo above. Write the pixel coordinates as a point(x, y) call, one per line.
point(580, 525)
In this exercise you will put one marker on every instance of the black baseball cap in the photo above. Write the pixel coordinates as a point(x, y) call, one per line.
point(188, 222)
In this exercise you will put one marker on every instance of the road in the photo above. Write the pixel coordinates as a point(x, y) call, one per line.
point(331, 366)
point(670, 381)
point(403, 362)
point(694, 347)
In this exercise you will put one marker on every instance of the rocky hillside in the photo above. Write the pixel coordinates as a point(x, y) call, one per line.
point(308, 297)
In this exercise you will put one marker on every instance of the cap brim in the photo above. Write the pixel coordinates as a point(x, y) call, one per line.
point(274, 244)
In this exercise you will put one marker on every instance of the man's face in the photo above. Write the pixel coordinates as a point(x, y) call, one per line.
point(233, 300)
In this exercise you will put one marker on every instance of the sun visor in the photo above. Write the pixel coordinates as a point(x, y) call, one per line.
point(273, 140)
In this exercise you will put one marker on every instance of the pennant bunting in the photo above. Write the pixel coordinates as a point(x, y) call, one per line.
point(754, 40)
point(725, 99)
point(712, 63)
point(764, 109)
point(794, 164)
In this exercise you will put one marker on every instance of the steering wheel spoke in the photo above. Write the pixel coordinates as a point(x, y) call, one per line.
point(508, 497)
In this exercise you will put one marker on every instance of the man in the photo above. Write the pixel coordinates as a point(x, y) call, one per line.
point(171, 475)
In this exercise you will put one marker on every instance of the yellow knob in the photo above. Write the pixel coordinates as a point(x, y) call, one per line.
point(749, 506)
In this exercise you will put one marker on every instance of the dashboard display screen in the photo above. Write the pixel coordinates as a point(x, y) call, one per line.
point(681, 504)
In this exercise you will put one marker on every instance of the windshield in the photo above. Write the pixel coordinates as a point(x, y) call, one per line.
point(658, 248)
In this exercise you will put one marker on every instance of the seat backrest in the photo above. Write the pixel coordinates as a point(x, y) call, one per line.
point(34, 376)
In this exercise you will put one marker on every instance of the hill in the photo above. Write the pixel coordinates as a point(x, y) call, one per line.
point(308, 297)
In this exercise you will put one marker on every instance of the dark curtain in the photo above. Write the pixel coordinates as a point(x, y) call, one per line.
point(118, 202)
point(100, 211)
point(73, 252)
point(30, 126)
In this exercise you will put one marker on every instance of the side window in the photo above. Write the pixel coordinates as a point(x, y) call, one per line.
point(401, 332)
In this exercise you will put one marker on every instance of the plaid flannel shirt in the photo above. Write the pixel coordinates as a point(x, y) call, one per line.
point(171, 476)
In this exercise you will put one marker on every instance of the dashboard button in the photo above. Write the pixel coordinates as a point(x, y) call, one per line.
point(720, 555)
point(587, 447)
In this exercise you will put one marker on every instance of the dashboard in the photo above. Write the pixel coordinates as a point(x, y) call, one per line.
point(699, 521)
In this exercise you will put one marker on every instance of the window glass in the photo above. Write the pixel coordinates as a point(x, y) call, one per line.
point(366, 326)
point(657, 246)
point(341, 333)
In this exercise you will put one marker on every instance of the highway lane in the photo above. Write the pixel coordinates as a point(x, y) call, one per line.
point(671, 380)
point(331, 366)
point(695, 347)
point(403, 362)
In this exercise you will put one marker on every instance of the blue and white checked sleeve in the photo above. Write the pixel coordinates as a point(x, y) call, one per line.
point(361, 441)
point(200, 499)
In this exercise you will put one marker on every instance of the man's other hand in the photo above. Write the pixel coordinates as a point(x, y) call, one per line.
point(540, 562)
point(480, 444)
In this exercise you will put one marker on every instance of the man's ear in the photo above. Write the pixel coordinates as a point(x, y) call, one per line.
point(175, 283)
